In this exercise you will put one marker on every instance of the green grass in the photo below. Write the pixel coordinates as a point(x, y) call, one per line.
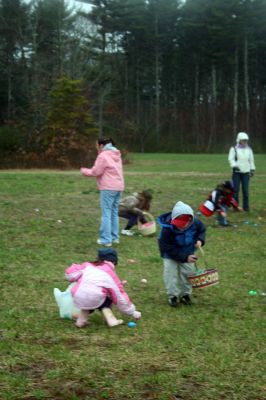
point(212, 350)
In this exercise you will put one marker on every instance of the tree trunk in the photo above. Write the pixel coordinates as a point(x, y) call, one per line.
point(235, 101)
point(246, 82)
point(212, 137)
point(196, 108)
point(157, 84)
point(60, 45)
point(137, 95)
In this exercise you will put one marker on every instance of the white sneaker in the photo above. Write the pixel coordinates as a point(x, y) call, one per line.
point(103, 244)
point(127, 232)
point(116, 241)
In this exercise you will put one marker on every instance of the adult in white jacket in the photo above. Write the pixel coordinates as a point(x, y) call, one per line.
point(241, 160)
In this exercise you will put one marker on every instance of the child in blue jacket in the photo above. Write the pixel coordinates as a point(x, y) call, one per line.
point(181, 234)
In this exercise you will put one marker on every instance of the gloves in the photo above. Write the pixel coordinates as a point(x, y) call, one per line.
point(236, 169)
point(251, 173)
point(136, 314)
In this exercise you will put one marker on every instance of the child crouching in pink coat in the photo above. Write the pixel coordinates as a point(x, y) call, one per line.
point(98, 287)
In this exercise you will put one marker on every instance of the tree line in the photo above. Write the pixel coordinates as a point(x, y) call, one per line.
point(157, 75)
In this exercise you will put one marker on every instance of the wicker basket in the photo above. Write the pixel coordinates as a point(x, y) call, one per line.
point(149, 228)
point(204, 278)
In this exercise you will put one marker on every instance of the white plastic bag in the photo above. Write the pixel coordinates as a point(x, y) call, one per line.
point(64, 300)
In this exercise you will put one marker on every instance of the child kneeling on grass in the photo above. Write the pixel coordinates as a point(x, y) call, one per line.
point(98, 287)
point(219, 200)
point(181, 234)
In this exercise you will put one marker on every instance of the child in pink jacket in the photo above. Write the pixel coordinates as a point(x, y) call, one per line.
point(108, 171)
point(98, 287)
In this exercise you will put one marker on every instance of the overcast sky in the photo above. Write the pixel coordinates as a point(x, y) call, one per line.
point(73, 3)
point(78, 4)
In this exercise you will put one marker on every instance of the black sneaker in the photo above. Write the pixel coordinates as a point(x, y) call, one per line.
point(172, 301)
point(186, 300)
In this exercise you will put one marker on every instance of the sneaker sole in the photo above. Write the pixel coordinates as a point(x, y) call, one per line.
point(105, 245)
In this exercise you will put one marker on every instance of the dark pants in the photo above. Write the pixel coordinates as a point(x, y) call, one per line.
point(241, 179)
point(106, 304)
point(132, 219)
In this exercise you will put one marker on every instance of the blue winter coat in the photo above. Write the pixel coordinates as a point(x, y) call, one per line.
point(178, 244)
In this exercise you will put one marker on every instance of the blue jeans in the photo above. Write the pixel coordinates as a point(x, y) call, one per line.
point(109, 229)
point(242, 179)
point(222, 220)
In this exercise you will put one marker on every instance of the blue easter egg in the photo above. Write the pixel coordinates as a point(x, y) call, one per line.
point(131, 324)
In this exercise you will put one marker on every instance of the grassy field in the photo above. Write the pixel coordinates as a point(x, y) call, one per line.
point(214, 350)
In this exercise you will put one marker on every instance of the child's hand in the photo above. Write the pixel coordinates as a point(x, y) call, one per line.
point(192, 258)
point(137, 314)
point(84, 171)
point(239, 209)
point(223, 214)
point(198, 244)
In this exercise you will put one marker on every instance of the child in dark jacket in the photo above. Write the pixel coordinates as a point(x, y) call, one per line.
point(181, 234)
point(219, 200)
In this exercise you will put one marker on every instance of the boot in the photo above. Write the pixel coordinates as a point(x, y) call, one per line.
point(82, 319)
point(110, 319)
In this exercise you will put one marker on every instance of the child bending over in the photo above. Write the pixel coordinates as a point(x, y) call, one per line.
point(98, 287)
point(133, 208)
point(219, 200)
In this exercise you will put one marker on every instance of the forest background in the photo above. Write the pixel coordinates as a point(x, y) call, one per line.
point(156, 75)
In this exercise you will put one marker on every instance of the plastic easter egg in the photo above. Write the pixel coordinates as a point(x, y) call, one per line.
point(131, 324)
point(144, 280)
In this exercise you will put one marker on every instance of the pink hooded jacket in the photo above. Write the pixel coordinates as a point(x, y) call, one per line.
point(95, 283)
point(107, 169)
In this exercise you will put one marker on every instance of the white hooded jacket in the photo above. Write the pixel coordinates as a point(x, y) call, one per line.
point(241, 157)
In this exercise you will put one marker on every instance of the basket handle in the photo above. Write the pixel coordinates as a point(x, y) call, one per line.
point(203, 255)
point(202, 251)
point(149, 217)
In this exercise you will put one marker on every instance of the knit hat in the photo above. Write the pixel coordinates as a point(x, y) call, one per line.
point(242, 136)
point(108, 255)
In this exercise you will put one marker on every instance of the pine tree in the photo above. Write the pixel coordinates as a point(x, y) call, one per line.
point(70, 128)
